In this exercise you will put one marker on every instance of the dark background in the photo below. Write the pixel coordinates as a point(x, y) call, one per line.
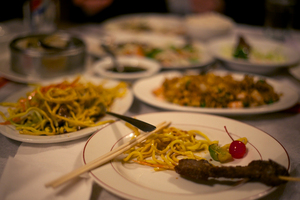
point(245, 12)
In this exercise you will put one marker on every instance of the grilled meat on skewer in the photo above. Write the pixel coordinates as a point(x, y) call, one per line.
point(267, 172)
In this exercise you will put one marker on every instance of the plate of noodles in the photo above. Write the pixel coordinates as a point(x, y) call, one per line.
point(63, 109)
point(135, 180)
point(218, 92)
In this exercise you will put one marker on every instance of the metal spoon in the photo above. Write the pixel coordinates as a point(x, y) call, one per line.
point(144, 126)
point(116, 65)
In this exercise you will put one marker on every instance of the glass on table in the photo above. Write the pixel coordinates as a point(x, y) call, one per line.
point(279, 16)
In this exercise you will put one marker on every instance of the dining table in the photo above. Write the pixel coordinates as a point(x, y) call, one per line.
point(26, 167)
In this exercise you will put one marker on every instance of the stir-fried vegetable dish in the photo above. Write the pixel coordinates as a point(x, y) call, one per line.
point(213, 91)
point(61, 108)
point(167, 55)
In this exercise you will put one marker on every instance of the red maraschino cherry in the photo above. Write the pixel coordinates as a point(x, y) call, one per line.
point(237, 149)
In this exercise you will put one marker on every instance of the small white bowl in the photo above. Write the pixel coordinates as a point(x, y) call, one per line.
point(286, 56)
point(103, 67)
point(208, 25)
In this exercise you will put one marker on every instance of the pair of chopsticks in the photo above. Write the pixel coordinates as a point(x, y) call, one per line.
point(105, 158)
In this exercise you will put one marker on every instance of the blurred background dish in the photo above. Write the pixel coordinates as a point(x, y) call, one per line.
point(208, 25)
point(265, 56)
point(8, 73)
point(5, 37)
point(295, 71)
point(47, 55)
point(171, 52)
point(133, 68)
point(162, 24)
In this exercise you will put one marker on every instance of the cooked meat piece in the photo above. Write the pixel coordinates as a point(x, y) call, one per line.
point(267, 172)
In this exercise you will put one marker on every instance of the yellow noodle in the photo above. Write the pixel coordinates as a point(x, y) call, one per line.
point(61, 108)
point(162, 150)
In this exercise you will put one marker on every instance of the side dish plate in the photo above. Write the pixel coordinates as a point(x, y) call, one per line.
point(104, 66)
point(222, 48)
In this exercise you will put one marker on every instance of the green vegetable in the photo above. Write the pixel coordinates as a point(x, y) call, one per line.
point(219, 154)
point(153, 53)
point(240, 53)
point(242, 49)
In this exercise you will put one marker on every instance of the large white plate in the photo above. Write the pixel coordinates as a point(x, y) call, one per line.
point(94, 46)
point(120, 106)
point(263, 45)
point(133, 181)
point(142, 89)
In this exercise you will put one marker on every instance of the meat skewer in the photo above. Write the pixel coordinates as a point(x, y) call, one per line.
point(267, 172)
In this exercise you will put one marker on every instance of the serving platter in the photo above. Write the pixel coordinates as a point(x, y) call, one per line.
point(143, 90)
point(272, 55)
point(134, 181)
point(120, 106)
point(154, 41)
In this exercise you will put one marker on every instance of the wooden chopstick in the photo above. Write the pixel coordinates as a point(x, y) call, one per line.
point(105, 158)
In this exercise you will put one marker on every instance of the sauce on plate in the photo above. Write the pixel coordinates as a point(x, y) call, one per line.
point(127, 69)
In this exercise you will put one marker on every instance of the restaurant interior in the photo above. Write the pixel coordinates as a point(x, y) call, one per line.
point(161, 99)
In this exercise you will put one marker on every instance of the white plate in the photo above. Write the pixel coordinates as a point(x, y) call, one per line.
point(133, 181)
point(263, 45)
point(295, 71)
point(142, 89)
point(166, 24)
point(94, 43)
point(8, 73)
point(102, 67)
point(120, 106)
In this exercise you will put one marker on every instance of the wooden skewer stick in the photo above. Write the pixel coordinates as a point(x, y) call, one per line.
point(105, 158)
point(289, 178)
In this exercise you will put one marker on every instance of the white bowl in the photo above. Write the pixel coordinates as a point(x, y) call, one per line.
point(103, 67)
point(286, 56)
point(208, 25)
